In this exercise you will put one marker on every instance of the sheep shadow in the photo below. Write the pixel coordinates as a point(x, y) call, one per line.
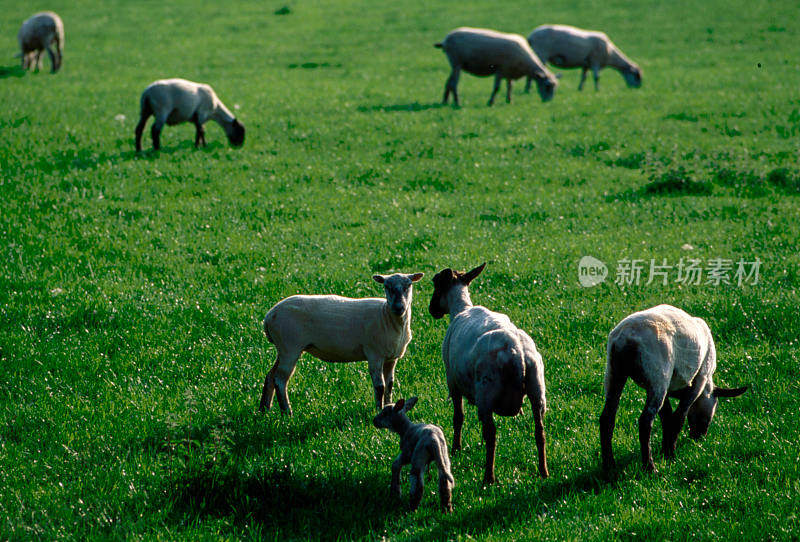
point(292, 504)
point(63, 161)
point(413, 107)
point(11, 71)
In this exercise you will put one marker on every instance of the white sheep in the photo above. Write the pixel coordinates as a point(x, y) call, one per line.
point(174, 101)
point(668, 353)
point(42, 31)
point(565, 46)
point(339, 329)
point(420, 444)
point(489, 361)
point(484, 52)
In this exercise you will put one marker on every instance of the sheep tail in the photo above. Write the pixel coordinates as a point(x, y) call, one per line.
point(266, 329)
point(438, 45)
point(513, 369)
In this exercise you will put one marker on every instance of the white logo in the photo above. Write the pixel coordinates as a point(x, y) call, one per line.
point(591, 271)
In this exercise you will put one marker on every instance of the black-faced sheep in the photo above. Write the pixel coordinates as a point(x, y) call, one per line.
point(420, 444)
point(485, 52)
point(569, 47)
point(175, 101)
point(489, 361)
point(42, 31)
point(670, 354)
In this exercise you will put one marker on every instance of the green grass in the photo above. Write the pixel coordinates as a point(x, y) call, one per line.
point(132, 288)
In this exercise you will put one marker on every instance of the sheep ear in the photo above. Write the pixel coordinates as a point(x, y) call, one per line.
point(729, 392)
point(416, 277)
point(469, 276)
point(379, 278)
point(398, 406)
point(410, 403)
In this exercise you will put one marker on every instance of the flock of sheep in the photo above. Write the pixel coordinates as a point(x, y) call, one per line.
point(488, 360)
point(494, 365)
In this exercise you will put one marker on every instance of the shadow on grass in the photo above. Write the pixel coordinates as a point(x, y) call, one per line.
point(408, 108)
point(63, 161)
point(11, 71)
point(295, 505)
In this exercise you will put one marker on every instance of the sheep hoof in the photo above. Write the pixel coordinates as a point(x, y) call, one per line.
point(489, 479)
point(447, 509)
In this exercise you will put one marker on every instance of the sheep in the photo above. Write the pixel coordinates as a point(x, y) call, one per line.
point(340, 329)
point(41, 31)
point(670, 354)
point(569, 47)
point(484, 52)
point(174, 101)
point(489, 361)
point(420, 444)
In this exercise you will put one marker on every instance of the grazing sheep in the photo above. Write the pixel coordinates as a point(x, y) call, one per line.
point(489, 361)
point(420, 444)
point(670, 354)
point(41, 31)
point(174, 101)
point(338, 329)
point(569, 47)
point(486, 52)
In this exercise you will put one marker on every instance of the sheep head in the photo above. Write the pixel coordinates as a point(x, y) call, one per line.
point(443, 282)
point(702, 410)
point(389, 417)
point(398, 290)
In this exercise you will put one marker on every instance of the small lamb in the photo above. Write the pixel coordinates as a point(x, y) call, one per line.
point(338, 329)
point(569, 47)
point(668, 353)
point(175, 101)
point(420, 444)
point(489, 361)
point(41, 31)
point(484, 52)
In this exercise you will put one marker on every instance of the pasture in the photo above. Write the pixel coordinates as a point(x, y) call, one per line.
point(132, 288)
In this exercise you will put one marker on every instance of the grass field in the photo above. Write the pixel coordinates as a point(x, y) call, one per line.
point(132, 287)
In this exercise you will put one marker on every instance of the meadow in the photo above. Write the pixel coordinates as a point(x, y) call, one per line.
point(132, 288)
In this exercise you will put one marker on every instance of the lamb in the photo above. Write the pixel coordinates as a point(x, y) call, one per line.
point(569, 47)
point(484, 52)
point(420, 444)
point(174, 101)
point(42, 31)
point(489, 361)
point(670, 354)
point(340, 329)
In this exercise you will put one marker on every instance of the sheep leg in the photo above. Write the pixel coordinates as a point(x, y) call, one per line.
point(268, 391)
point(508, 91)
point(538, 420)
point(450, 86)
point(53, 61)
point(376, 373)
point(388, 379)
point(458, 420)
point(497, 79)
point(528, 82)
point(37, 60)
point(397, 466)
point(155, 132)
point(445, 491)
point(417, 479)
point(665, 415)
point(655, 399)
point(687, 399)
point(583, 78)
point(596, 74)
point(608, 419)
point(199, 134)
point(144, 114)
point(489, 432)
point(281, 378)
